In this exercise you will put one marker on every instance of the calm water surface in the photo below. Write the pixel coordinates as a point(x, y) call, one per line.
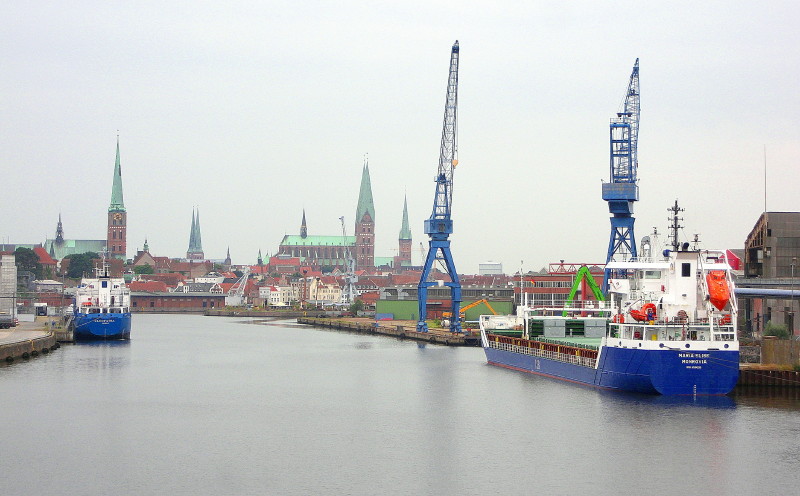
point(206, 405)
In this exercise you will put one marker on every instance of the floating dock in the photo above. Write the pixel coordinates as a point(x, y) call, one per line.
point(403, 329)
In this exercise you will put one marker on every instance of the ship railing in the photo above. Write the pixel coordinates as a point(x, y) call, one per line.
point(588, 307)
point(552, 351)
point(673, 331)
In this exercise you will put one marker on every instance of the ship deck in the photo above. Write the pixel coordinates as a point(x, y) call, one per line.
point(576, 341)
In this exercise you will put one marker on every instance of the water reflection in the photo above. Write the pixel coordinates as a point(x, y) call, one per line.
point(714, 402)
point(769, 397)
point(102, 355)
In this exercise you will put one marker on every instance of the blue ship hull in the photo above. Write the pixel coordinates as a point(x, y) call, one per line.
point(102, 326)
point(667, 372)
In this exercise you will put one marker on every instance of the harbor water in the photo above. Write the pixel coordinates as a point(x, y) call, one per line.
point(210, 405)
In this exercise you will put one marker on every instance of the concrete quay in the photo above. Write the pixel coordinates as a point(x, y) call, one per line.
point(25, 341)
point(403, 329)
point(772, 376)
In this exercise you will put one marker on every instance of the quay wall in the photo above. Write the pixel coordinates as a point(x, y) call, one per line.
point(264, 313)
point(402, 330)
point(768, 376)
point(42, 343)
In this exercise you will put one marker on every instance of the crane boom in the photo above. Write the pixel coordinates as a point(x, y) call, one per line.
point(440, 225)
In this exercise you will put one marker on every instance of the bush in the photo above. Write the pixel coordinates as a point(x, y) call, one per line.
point(777, 330)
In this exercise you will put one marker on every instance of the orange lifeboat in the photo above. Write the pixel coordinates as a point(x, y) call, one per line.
point(641, 315)
point(718, 290)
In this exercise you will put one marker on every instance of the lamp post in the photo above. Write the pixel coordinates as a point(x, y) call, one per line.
point(791, 299)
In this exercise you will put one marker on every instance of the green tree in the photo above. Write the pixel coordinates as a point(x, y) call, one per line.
point(26, 259)
point(80, 264)
point(144, 269)
point(356, 307)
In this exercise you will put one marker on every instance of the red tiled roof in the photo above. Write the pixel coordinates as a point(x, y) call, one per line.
point(44, 257)
point(148, 286)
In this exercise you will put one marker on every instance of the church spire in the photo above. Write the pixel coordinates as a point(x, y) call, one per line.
point(59, 231)
point(365, 203)
point(365, 223)
point(117, 230)
point(117, 203)
point(195, 250)
point(303, 228)
point(405, 231)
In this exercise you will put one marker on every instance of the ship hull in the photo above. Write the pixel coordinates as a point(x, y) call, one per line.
point(666, 372)
point(101, 327)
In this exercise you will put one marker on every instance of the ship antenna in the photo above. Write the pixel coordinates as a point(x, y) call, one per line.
point(674, 227)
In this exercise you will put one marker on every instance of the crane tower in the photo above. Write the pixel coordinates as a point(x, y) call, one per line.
point(349, 292)
point(623, 190)
point(439, 226)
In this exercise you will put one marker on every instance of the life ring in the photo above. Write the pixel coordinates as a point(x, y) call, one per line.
point(725, 320)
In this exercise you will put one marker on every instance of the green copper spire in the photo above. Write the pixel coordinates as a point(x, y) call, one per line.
point(197, 238)
point(117, 203)
point(195, 250)
point(365, 204)
point(405, 231)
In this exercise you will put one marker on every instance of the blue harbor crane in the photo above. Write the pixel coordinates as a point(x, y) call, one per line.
point(623, 190)
point(439, 226)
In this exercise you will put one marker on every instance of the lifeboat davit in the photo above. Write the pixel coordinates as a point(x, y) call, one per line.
point(718, 290)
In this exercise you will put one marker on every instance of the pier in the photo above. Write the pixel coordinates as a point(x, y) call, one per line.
point(403, 329)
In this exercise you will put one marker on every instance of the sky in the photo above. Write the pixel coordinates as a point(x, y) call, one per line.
point(254, 111)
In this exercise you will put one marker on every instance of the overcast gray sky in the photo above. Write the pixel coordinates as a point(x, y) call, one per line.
point(254, 110)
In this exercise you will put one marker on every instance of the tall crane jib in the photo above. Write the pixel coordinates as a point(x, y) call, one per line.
point(440, 225)
point(622, 189)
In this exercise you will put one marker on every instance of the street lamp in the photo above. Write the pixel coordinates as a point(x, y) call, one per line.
point(791, 298)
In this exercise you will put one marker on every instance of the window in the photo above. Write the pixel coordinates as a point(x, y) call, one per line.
point(686, 269)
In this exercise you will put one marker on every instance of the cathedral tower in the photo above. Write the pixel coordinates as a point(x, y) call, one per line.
point(195, 251)
point(365, 223)
point(116, 235)
point(404, 240)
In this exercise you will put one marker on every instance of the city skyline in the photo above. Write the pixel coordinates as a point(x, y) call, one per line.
point(255, 113)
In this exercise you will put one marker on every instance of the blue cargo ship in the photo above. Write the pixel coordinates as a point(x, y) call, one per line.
point(102, 308)
point(667, 328)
